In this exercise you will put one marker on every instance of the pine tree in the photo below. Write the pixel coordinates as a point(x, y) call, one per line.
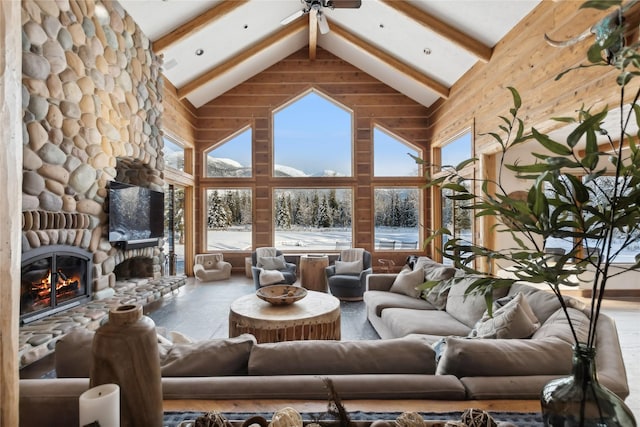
point(218, 215)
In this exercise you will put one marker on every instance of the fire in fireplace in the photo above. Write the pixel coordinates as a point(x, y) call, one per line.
point(54, 278)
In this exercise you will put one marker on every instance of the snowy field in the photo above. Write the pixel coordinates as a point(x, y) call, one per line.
point(313, 240)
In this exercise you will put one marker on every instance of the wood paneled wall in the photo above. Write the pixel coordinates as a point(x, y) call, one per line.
point(253, 102)
point(525, 61)
point(179, 117)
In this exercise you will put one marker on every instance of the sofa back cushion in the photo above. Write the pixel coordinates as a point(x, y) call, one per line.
point(207, 358)
point(468, 309)
point(317, 357)
point(476, 357)
point(216, 357)
point(73, 354)
point(557, 326)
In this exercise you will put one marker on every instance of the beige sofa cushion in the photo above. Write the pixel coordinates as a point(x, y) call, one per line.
point(215, 357)
point(73, 354)
point(474, 357)
point(317, 357)
point(468, 309)
point(407, 281)
point(557, 326)
point(515, 319)
point(208, 358)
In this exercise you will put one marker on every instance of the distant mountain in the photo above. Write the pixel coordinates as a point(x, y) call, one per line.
point(221, 167)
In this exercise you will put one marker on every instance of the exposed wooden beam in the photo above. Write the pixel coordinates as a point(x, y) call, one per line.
point(196, 24)
point(291, 29)
point(313, 33)
point(391, 61)
point(429, 21)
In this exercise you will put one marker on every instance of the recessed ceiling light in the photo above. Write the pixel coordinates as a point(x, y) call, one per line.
point(199, 52)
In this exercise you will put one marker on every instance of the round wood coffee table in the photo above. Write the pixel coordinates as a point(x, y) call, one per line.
point(314, 317)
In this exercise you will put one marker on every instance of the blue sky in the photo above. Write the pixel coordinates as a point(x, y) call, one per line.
point(313, 135)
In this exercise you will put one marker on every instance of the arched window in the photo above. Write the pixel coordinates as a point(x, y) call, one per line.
point(230, 158)
point(312, 136)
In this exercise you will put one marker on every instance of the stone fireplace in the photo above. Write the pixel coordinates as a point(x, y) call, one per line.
point(53, 278)
point(92, 113)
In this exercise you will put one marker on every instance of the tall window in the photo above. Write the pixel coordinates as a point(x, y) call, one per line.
point(312, 136)
point(453, 214)
point(457, 150)
point(391, 155)
point(228, 219)
point(397, 213)
point(601, 188)
point(173, 154)
point(174, 228)
point(231, 158)
point(312, 218)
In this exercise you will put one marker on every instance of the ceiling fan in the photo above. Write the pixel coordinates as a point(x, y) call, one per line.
point(315, 8)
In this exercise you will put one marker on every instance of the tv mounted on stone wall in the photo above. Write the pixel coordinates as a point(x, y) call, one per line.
point(136, 215)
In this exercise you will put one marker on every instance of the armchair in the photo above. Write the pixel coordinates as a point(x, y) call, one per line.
point(347, 278)
point(208, 267)
point(271, 260)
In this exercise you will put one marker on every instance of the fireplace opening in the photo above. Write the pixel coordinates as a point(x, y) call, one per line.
point(53, 278)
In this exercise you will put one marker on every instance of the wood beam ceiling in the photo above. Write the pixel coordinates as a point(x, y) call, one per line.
point(443, 29)
point(196, 24)
point(313, 34)
point(290, 30)
point(391, 61)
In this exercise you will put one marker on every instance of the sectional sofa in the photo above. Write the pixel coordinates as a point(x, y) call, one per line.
point(426, 353)
point(524, 345)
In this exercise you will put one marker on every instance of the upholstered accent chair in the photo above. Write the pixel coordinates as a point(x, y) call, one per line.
point(211, 266)
point(269, 267)
point(347, 278)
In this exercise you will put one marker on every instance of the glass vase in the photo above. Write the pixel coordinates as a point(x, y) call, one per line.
point(580, 401)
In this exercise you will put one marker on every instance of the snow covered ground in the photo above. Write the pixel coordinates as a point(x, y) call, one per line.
point(311, 240)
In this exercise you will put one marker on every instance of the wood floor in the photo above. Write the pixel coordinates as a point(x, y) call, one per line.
point(200, 310)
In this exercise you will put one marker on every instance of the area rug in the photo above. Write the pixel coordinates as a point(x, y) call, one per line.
point(519, 419)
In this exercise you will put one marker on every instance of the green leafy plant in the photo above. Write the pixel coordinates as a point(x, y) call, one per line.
point(564, 193)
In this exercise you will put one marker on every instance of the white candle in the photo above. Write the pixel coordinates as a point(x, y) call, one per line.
point(101, 404)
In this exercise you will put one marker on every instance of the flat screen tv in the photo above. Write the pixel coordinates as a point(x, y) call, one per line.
point(136, 214)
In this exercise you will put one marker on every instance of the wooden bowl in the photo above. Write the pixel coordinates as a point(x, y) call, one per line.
point(281, 294)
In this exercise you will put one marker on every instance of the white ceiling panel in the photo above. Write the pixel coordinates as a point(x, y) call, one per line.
point(385, 29)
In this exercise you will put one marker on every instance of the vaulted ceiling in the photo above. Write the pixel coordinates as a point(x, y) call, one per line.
point(420, 47)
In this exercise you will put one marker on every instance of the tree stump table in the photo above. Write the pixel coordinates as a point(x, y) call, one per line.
point(314, 317)
point(312, 272)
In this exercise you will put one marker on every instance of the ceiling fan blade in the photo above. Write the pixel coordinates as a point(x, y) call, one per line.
point(289, 19)
point(344, 4)
point(323, 24)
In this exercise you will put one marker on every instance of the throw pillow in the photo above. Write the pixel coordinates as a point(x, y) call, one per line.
point(513, 320)
point(349, 267)
point(406, 282)
point(272, 262)
point(437, 295)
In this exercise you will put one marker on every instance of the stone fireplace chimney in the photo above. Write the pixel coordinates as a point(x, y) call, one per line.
point(92, 99)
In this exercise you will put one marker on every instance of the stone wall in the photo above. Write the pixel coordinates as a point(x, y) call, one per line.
point(92, 90)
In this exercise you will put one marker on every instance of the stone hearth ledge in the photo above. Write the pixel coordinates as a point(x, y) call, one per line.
point(38, 339)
